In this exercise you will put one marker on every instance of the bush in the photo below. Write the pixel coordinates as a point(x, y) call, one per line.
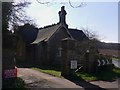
point(13, 83)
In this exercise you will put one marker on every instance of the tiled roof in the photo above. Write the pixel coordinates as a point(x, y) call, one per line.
point(34, 36)
point(78, 34)
point(46, 32)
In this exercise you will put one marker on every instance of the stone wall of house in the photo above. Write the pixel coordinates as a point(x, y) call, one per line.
point(37, 53)
point(86, 59)
point(41, 53)
point(30, 53)
point(53, 47)
point(68, 54)
point(21, 50)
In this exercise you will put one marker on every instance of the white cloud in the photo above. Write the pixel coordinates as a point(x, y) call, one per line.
point(46, 16)
point(42, 15)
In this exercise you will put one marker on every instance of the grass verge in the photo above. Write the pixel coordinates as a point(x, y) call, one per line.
point(118, 59)
point(107, 75)
point(49, 71)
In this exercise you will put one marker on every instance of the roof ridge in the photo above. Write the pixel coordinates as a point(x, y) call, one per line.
point(74, 29)
point(48, 26)
point(46, 33)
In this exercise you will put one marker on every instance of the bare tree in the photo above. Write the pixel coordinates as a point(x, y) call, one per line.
point(13, 14)
point(92, 35)
point(89, 44)
point(18, 13)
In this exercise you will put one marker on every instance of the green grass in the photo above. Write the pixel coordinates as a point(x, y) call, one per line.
point(85, 76)
point(51, 72)
point(107, 75)
point(117, 71)
point(110, 74)
point(115, 58)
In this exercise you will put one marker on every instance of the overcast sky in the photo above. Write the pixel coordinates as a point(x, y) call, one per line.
point(99, 17)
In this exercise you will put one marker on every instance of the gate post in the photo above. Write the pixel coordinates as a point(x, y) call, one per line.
point(68, 54)
point(90, 62)
point(86, 62)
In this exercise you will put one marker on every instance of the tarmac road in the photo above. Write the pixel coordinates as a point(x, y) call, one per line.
point(35, 80)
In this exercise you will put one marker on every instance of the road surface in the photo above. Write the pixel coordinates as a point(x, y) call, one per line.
point(35, 79)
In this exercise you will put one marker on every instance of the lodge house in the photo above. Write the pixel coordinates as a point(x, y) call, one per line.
point(43, 45)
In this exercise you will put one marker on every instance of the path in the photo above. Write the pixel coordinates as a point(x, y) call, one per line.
point(35, 79)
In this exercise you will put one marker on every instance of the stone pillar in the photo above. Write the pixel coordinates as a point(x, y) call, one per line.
point(86, 62)
point(90, 62)
point(68, 53)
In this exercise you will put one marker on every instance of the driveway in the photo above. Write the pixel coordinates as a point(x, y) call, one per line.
point(38, 79)
point(35, 79)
